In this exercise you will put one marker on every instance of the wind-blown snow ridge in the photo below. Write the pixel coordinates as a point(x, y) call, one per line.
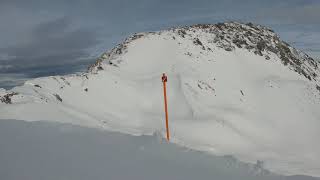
point(233, 89)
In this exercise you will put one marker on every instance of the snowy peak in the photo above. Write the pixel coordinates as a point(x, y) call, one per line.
point(257, 39)
point(233, 89)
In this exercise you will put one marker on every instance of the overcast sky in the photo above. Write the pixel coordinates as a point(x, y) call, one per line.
point(45, 37)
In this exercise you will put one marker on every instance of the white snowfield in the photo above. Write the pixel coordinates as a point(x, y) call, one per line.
point(224, 102)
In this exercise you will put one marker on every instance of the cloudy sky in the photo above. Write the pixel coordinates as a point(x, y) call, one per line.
point(45, 37)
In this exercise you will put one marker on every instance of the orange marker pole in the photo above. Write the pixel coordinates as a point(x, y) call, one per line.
point(164, 80)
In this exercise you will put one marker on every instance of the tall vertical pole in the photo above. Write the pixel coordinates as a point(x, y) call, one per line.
point(164, 81)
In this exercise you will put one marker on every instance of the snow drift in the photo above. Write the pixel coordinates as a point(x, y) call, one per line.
point(233, 89)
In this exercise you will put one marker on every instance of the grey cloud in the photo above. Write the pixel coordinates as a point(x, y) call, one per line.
point(304, 14)
point(12, 79)
point(52, 43)
point(52, 28)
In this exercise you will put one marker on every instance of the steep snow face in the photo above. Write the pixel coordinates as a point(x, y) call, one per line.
point(232, 88)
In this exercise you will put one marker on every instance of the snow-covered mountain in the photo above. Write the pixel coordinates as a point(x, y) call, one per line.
point(233, 89)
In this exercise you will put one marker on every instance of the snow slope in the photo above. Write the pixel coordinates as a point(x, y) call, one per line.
point(50, 151)
point(233, 89)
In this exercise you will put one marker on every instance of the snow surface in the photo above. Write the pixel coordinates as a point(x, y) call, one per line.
point(41, 150)
point(223, 102)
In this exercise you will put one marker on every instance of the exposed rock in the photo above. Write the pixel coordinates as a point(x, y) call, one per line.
point(182, 33)
point(196, 41)
point(7, 98)
point(242, 92)
point(37, 85)
point(58, 97)
point(261, 45)
point(228, 48)
point(240, 42)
